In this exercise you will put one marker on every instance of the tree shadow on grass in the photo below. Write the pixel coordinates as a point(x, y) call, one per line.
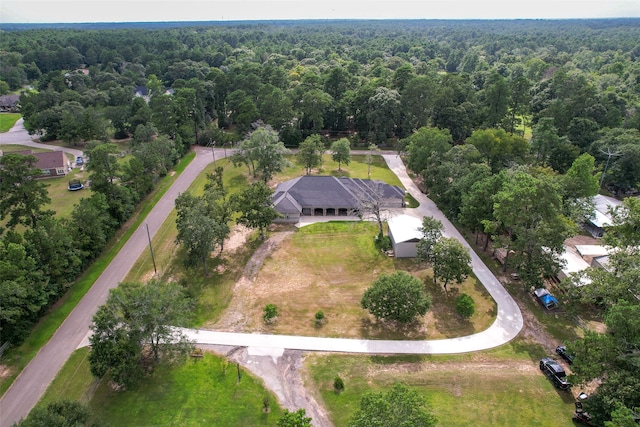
point(447, 322)
point(371, 328)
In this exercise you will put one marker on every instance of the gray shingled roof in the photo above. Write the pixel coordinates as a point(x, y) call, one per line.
point(328, 191)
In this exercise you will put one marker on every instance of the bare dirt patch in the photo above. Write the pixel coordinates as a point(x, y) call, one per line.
point(5, 371)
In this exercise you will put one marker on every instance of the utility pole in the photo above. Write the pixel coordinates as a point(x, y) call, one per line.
point(606, 166)
point(151, 250)
point(213, 152)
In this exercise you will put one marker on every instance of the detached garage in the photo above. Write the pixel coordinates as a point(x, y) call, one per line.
point(404, 231)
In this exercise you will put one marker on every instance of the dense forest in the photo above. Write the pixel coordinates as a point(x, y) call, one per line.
point(495, 118)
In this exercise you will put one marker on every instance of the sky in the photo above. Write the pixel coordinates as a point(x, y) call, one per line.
point(56, 11)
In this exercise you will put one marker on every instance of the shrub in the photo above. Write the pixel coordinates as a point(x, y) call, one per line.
point(320, 319)
point(338, 384)
point(270, 312)
point(383, 242)
point(465, 306)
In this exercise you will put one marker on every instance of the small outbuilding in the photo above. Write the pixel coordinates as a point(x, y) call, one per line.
point(405, 233)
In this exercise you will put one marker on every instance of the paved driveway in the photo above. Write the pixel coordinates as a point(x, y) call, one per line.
point(18, 135)
point(34, 379)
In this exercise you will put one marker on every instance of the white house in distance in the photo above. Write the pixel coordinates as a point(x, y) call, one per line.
point(405, 233)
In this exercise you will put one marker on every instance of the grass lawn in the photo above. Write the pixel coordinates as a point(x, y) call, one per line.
point(502, 387)
point(213, 292)
point(358, 168)
point(7, 120)
point(195, 393)
point(62, 200)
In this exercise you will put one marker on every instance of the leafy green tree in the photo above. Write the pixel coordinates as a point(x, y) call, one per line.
point(416, 103)
point(23, 198)
point(63, 413)
point(23, 291)
point(198, 230)
point(262, 152)
point(158, 155)
point(537, 237)
point(622, 416)
point(91, 226)
point(310, 153)
point(424, 143)
point(611, 358)
point(294, 419)
point(255, 207)
point(136, 325)
point(519, 102)
point(275, 107)
point(496, 99)
point(580, 183)
point(563, 155)
point(451, 261)
point(431, 232)
point(476, 207)
point(384, 114)
point(313, 106)
point(545, 138)
point(499, 148)
point(450, 175)
point(465, 306)
point(455, 107)
point(103, 167)
point(341, 152)
point(397, 296)
point(51, 245)
point(399, 407)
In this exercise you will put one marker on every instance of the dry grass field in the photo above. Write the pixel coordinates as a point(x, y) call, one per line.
point(328, 266)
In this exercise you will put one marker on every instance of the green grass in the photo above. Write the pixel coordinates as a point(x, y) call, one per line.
point(16, 358)
point(411, 201)
point(62, 200)
point(213, 292)
point(195, 393)
point(358, 168)
point(496, 388)
point(7, 120)
point(10, 148)
point(73, 382)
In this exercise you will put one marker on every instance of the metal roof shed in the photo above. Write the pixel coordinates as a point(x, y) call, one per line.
point(405, 233)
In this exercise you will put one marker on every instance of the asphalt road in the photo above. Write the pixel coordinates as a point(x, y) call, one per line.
point(38, 374)
point(30, 385)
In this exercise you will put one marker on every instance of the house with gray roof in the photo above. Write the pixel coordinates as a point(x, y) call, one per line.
point(331, 196)
point(9, 103)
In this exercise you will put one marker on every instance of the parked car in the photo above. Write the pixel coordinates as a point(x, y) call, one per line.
point(562, 352)
point(79, 161)
point(555, 372)
point(547, 300)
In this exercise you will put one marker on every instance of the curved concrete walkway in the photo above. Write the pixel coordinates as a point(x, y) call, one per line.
point(508, 323)
point(27, 389)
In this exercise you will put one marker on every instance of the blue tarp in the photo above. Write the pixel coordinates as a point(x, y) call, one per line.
point(549, 301)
